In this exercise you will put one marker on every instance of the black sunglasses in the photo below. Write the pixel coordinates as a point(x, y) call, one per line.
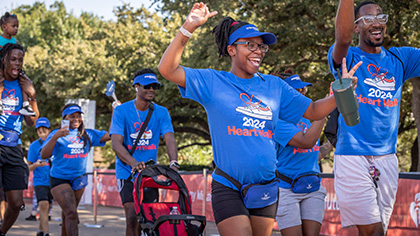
point(155, 86)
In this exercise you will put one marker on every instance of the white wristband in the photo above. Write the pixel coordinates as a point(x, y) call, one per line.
point(185, 32)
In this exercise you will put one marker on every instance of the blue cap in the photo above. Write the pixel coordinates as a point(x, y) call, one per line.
point(249, 31)
point(70, 110)
point(42, 122)
point(146, 79)
point(296, 82)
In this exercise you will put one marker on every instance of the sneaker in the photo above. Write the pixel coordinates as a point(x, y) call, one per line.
point(31, 218)
point(26, 109)
point(47, 234)
point(40, 233)
point(381, 82)
point(254, 109)
point(49, 218)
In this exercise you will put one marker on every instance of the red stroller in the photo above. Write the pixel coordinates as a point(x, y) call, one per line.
point(154, 217)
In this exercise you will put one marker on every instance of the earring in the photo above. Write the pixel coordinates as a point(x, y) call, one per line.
point(137, 89)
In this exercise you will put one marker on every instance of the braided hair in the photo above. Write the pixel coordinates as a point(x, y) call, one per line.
point(286, 74)
point(360, 5)
point(81, 131)
point(6, 17)
point(222, 32)
point(6, 51)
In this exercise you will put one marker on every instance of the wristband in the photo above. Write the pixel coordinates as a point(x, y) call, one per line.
point(174, 164)
point(185, 32)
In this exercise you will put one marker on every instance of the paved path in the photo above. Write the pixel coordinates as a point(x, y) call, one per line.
point(111, 218)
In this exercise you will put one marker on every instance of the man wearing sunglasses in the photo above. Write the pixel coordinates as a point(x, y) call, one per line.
point(371, 144)
point(127, 120)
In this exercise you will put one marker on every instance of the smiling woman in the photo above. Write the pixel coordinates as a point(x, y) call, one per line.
point(243, 107)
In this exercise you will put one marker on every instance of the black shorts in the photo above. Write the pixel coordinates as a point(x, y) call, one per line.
point(227, 202)
point(14, 171)
point(43, 193)
point(76, 183)
point(126, 192)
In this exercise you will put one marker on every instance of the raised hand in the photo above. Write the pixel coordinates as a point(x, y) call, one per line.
point(350, 73)
point(199, 15)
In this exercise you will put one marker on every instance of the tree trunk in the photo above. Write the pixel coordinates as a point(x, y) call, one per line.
point(416, 112)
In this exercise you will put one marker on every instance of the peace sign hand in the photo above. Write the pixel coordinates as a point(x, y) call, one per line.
point(350, 74)
point(199, 15)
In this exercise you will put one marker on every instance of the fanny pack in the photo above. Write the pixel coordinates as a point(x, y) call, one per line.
point(9, 138)
point(79, 182)
point(254, 195)
point(303, 184)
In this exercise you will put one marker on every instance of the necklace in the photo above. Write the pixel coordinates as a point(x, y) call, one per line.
point(252, 82)
point(138, 115)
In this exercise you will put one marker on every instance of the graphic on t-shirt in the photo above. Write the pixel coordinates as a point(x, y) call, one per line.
point(379, 80)
point(415, 210)
point(146, 135)
point(75, 142)
point(302, 126)
point(254, 107)
point(9, 99)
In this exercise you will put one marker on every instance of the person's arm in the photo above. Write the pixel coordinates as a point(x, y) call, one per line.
point(38, 163)
point(171, 149)
point(169, 66)
point(105, 138)
point(322, 107)
point(308, 139)
point(324, 150)
point(48, 148)
point(123, 154)
point(344, 27)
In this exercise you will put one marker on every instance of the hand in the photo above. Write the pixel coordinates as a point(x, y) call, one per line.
point(351, 72)
point(138, 166)
point(199, 15)
point(27, 86)
point(40, 163)
point(115, 104)
point(62, 132)
point(418, 1)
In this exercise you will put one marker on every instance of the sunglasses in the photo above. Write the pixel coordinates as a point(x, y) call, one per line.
point(155, 86)
point(253, 46)
point(370, 19)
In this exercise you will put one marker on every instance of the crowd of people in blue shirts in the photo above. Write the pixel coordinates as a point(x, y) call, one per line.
point(266, 149)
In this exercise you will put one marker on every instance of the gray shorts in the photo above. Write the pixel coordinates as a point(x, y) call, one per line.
point(295, 207)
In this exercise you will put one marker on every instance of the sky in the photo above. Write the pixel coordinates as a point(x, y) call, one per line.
point(97, 7)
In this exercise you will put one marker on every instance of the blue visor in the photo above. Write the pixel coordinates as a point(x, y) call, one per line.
point(296, 82)
point(42, 122)
point(70, 110)
point(249, 31)
point(146, 79)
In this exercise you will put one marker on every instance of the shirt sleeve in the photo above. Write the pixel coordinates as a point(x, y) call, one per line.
point(199, 85)
point(95, 136)
point(166, 125)
point(34, 152)
point(284, 132)
point(117, 123)
point(293, 104)
point(410, 57)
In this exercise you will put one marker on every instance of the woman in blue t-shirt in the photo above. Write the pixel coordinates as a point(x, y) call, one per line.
point(301, 204)
point(70, 146)
point(243, 107)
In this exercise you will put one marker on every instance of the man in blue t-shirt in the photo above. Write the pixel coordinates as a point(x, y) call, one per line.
point(13, 169)
point(366, 199)
point(41, 173)
point(127, 121)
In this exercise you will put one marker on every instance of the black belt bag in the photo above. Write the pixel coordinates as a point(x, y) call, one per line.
point(254, 195)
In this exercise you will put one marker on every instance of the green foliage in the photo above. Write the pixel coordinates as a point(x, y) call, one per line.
point(74, 57)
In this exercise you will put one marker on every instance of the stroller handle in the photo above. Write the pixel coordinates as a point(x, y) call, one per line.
point(150, 162)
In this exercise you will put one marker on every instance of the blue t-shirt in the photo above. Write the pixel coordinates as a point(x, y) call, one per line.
point(12, 102)
point(379, 88)
point(41, 174)
point(4, 41)
point(292, 161)
point(127, 121)
point(70, 158)
point(242, 114)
